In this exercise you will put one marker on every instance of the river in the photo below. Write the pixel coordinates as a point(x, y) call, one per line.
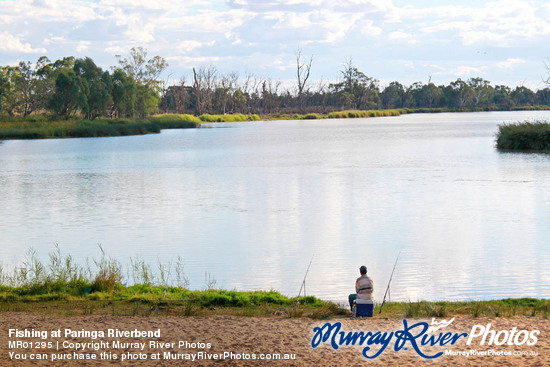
point(249, 205)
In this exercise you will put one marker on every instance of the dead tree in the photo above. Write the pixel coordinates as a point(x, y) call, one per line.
point(302, 75)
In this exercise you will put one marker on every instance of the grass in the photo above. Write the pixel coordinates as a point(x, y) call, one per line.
point(101, 286)
point(236, 117)
point(42, 127)
point(524, 136)
point(508, 307)
point(75, 128)
point(365, 114)
point(61, 286)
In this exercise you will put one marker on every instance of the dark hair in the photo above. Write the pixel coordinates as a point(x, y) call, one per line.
point(363, 270)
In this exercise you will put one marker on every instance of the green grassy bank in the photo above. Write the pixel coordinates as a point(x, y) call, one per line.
point(393, 112)
point(40, 127)
point(43, 127)
point(149, 300)
point(524, 136)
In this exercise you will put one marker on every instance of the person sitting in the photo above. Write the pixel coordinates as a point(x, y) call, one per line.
point(364, 287)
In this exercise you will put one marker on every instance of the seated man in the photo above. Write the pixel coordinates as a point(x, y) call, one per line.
point(364, 287)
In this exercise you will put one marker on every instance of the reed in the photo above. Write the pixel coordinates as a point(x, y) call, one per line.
point(100, 286)
point(365, 113)
point(43, 128)
point(236, 117)
point(524, 136)
point(101, 279)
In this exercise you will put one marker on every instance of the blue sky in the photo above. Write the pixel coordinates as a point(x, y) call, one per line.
point(505, 41)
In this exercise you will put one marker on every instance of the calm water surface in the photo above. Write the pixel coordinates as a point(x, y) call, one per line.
point(249, 204)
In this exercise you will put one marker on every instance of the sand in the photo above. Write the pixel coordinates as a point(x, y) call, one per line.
point(248, 337)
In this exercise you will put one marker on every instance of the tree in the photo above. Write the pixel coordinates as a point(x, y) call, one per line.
point(239, 101)
point(99, 86)
point(482, 92)
point(270, 90)
point(543, 97)
point(44, 83)
point(24, 87)
point(430, 95)
point(463, 93)
point(224, 91)
point(5, 87)
point(204, 82)
point(147, 101)
point(523, 96)
point(302, 75)
point(142, 83)
point(501, 96)
point(393, 96)
point(70, 94)
point(356, 90)
point(178, 97)
point(143, 71)
point(124, 95)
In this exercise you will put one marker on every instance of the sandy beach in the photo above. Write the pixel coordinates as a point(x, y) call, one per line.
point(250, 341)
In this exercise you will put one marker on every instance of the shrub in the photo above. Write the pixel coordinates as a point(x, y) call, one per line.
point(524, 136)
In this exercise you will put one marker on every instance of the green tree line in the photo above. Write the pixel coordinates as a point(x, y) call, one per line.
point(78, 87)
point(71, 87)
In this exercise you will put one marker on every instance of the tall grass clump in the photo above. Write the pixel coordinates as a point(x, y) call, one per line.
point(364, 114)
point(44, 128)
point(524, 136)
point(309, 116)
point(109, 274)
point(32, 277)
point(175, 121)
point(76, 128)
point(235, 117)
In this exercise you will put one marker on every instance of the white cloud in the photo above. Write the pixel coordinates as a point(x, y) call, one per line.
point(500, 23)
point(465, 71)
point(54, 40)
point(82, 46)
point(188, 61)
point(262, 36)
point(510, 64)
point(400, 36)
point(10, 43)
point(116, 49)
point(368, 28)
point(187, 46)
point(282, 63)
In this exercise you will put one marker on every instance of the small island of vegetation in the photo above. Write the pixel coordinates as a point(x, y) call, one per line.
point(524, 136)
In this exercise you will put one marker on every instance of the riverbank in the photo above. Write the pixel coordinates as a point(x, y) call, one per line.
point(62, 287)
point(253, 338)
point(147, 300)
point(39, 127)
point(43, 127)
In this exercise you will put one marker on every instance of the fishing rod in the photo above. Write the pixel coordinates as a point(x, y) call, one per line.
point(304, 283)
point(389, 281)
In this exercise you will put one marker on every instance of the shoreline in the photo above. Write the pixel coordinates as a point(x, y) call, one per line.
point(264, 304)
point(61, 286)
point(42, 127)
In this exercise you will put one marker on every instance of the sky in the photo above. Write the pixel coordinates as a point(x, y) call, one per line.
point(504, 41)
